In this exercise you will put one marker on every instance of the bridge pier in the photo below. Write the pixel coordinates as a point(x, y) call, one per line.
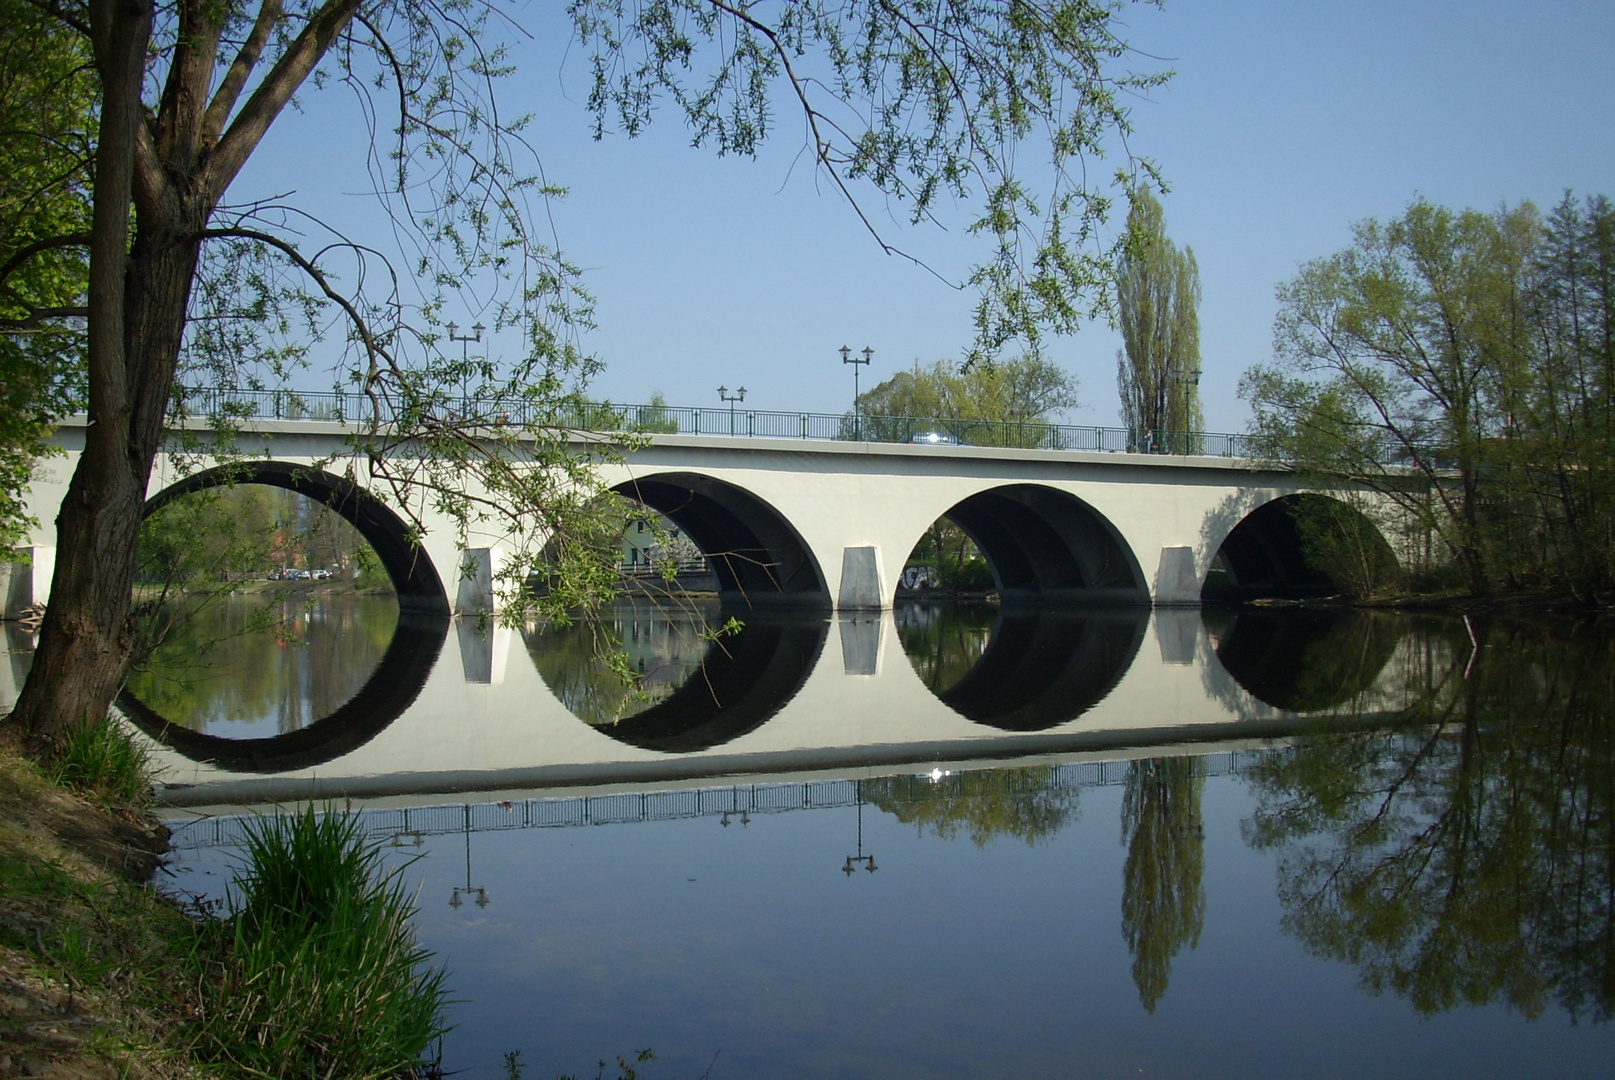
point(1177, 582)
point(862, 584)
point(25, 581)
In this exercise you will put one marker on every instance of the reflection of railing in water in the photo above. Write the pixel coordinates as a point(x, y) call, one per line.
point(635, 807)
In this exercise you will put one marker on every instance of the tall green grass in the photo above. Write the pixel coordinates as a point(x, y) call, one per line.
point(102, 759)
point(323, 976)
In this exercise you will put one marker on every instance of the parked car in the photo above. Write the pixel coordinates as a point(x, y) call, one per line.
point(934, 438)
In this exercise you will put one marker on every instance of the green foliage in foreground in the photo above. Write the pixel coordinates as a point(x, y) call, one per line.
point(104, 761)
point(322, 976)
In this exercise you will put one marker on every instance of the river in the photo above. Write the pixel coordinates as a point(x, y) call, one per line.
point(950, 841)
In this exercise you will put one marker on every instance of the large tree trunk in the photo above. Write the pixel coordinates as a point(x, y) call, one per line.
point(137, 302)
point(87, 637)
point(170, 167)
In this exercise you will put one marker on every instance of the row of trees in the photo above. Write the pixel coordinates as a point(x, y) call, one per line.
point(145, 112)
point(1461, 365)
point(1007, 403)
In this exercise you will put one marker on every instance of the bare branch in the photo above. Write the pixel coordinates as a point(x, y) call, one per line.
point(224, 99)
point(283, 80)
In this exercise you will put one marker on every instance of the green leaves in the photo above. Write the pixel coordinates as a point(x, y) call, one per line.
point(931, 105)
point(1458, 365)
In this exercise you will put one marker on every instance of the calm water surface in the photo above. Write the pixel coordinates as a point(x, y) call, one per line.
point(964, 842)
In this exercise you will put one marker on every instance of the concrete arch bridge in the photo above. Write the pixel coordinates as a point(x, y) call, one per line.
point(815, 524)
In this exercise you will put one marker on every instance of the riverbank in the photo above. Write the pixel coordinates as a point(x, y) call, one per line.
point(312, 970)
point(93, 961)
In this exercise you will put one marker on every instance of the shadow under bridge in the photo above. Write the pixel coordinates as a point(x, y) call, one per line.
point(756, 555)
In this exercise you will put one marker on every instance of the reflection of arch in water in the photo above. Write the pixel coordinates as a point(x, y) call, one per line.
point(1263, 555)
point(757, 555)
point(391, 689)
point(414, 578)
point(1045, 666)
point(1302, 659)
point(1046, 545)
point(743, 680)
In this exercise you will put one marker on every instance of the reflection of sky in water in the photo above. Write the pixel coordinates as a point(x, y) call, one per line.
point(747, 950)
point(252, 666)
point(1431, 826)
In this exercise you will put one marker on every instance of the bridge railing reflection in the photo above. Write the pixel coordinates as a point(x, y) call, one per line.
point(627, 808)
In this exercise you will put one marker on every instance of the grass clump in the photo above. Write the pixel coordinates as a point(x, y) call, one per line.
point(103, 760)
point(321, 975)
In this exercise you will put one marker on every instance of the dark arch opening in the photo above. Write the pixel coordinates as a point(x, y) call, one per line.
point(1044, 545)
point(757, 557)
point(1302, 659)
point(413, 576)
point(1265, 555)
point(399, 675)
point(1040, 667)
point(743, 679)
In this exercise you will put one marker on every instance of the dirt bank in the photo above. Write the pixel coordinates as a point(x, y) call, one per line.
point(91, 957)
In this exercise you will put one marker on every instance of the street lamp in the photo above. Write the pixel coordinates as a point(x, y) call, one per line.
point(868, 861)
point(465, 357)
point(725, 395)
point(470, 890)
point(847, 357)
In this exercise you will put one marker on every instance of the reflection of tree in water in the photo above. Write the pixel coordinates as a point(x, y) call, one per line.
point(238, 661)
point(1027, 803)
point(660, 645)
point(1303, 659)
point(944, 641)
point(1467, 858)
point(1163, 897)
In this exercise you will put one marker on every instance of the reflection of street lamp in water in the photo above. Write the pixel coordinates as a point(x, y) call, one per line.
point(853, 860)
point(481, 893)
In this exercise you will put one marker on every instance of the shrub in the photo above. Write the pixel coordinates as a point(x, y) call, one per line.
point(322, 976)
point(103, 759)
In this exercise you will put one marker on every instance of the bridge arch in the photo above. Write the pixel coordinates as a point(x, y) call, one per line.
point(413, 576)
point(756, 554)
point(400, 674)
point(1044, 544)
point(1263, 554)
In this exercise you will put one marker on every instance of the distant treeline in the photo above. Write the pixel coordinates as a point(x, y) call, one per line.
point(1461, 364)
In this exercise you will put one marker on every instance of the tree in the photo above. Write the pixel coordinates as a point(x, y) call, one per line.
point(1163, 893)
point(1457, 364)
point(47, 99)
point(1006, 403)
point(1158, 306)
point(921, 103)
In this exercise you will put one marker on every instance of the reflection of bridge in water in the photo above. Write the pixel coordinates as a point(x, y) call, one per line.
point(682, 804)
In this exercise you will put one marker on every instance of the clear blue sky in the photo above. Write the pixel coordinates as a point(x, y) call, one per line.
point(1285, 123)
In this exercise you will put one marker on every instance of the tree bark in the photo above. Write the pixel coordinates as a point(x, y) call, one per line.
point(171, 169)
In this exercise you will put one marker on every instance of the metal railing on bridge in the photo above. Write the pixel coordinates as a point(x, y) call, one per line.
point(623, 808)
point(756, 423)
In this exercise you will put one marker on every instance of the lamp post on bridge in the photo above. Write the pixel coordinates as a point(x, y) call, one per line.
point(725, 395)
point(465, 358)
point(857, 409)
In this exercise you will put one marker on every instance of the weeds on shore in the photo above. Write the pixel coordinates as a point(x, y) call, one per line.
point(321, 975)
point(103, 760)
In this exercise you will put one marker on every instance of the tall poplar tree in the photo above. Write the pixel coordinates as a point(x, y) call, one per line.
point(1158, 304)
